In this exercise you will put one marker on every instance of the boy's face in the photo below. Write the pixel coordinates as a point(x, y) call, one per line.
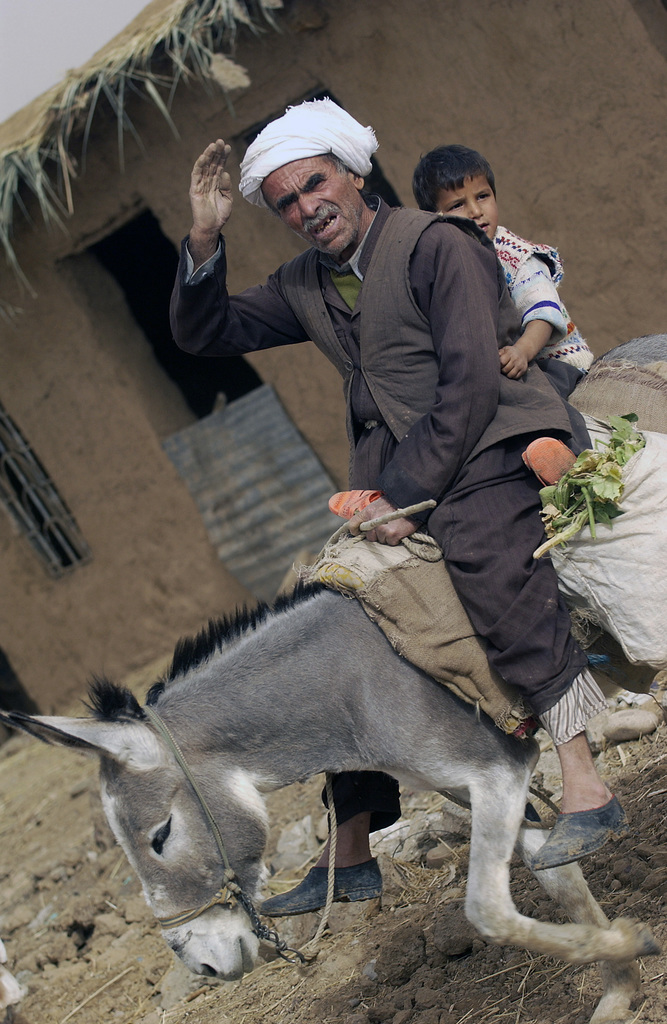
point(474, 200)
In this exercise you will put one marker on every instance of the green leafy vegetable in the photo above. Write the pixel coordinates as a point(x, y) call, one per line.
point(590, 491)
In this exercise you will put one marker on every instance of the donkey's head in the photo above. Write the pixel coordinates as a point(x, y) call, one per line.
point(159, 821)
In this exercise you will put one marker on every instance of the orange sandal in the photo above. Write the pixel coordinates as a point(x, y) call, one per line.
point(549, 459)
point(346, 503)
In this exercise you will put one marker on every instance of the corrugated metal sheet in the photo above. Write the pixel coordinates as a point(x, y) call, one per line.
point(259, 487)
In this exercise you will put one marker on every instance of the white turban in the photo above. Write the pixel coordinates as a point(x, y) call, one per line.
point(311, 129)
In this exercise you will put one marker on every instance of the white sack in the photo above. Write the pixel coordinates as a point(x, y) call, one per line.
point(620, 579)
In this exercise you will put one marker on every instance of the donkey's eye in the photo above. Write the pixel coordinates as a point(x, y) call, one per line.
point(161, 836)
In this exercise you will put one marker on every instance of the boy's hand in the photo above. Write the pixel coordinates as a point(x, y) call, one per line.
point(513, 362)
point(390, 533)
point(210, 199)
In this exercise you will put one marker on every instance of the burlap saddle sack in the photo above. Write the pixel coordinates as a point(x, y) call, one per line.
point(617, 388)
point(407, 592)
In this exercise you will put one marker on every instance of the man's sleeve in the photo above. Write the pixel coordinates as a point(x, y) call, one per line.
point(207, 321)
point(191, 276)
point(455, 284)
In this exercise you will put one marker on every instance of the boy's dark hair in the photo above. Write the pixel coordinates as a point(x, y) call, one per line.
point(447, 167)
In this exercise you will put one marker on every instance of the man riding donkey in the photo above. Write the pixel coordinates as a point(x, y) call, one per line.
point(411, 307)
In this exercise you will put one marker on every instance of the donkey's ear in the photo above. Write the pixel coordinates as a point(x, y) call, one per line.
point(131, 742)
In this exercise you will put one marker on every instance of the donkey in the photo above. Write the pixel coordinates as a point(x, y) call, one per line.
point(277, 695)
point(274, 697)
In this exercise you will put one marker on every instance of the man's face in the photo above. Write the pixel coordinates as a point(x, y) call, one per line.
point(320, 204)
point(474, 200)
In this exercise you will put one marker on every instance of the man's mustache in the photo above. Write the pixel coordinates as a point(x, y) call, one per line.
point(326, 210)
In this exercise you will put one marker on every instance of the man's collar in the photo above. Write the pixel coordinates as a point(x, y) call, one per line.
point(356, 264)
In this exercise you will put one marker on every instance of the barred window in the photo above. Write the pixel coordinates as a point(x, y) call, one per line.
point(32, 501)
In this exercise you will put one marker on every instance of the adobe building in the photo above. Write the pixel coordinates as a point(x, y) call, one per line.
point(122, 531)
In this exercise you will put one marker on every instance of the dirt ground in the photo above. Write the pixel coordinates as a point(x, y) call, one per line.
point(82, 941)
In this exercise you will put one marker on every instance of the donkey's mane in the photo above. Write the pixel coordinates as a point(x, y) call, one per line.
point(111, 703)
point(191, 652)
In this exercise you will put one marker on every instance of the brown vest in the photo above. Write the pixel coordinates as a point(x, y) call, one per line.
point(398, 360)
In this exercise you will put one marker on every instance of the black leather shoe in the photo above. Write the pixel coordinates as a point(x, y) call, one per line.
point(360, 882)
point(578, 833)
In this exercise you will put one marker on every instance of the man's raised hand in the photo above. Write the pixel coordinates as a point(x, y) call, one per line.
point(210, 199)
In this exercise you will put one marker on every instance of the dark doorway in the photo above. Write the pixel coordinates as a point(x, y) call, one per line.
point(12, 695)
point(143, 261)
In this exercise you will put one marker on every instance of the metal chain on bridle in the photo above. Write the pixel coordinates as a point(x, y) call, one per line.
point(230, 889)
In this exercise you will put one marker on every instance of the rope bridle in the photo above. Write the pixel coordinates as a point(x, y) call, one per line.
point(230, 890)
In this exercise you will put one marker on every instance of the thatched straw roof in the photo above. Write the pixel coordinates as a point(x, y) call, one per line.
point(167, 41)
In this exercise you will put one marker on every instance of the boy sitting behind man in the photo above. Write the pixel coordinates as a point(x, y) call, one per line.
point(459, 181)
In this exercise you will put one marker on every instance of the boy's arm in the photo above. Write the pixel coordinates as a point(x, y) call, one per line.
point(514, 358)
point(536, 297)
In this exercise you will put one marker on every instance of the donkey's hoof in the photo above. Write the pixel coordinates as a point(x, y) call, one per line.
point(578, 833)
point(360, 882)
point(648, 944)
point(626, 939)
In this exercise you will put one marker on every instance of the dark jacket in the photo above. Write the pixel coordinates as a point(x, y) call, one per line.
point(419, 353)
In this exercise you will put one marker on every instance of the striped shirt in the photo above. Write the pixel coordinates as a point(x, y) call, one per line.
point(533, 272)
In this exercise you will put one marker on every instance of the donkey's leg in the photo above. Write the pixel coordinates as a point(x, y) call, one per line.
point(567, 886)
point(497, 806)
point(497, 811)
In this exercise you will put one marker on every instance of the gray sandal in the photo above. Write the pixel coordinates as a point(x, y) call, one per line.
point(359, 882)
point(577, 833)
